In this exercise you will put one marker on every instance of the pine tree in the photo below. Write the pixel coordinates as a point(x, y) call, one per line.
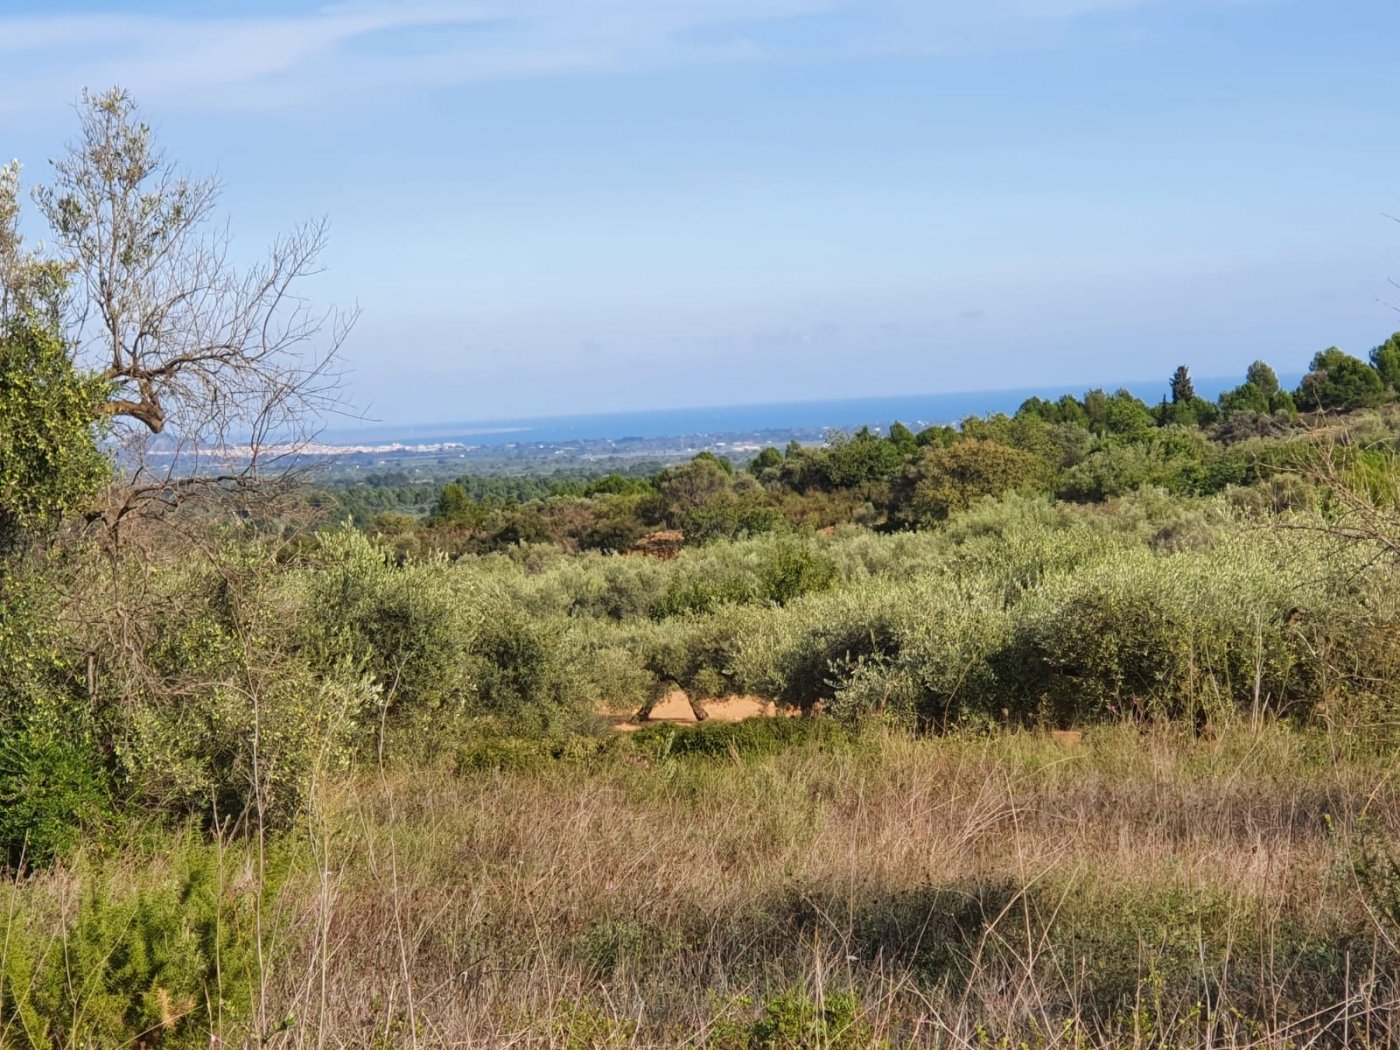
point(1182, 389)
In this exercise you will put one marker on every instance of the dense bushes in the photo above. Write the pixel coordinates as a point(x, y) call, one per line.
point(51, 464)
point(52, 789)
point(252, 675)
point(225, 678)
point(167, 957)
point(1156, 606)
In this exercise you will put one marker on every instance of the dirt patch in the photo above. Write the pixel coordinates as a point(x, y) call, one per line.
point(739, 709)
point(673, 707)
point(676, 707)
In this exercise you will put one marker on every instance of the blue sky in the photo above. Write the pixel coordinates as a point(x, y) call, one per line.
point(551, 206)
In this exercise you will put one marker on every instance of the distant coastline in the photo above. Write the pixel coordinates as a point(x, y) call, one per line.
point(915, 410)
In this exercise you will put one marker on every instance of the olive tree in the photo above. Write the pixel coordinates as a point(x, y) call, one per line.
point(217, 373)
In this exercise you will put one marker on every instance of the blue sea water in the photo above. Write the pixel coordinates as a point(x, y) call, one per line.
point(915, 411)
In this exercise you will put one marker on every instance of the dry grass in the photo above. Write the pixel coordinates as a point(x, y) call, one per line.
point(979, 891)
point(1147, 890)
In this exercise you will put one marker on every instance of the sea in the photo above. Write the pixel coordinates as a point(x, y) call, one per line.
point(915, 411)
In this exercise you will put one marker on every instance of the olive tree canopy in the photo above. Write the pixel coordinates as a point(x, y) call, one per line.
point(216, 373)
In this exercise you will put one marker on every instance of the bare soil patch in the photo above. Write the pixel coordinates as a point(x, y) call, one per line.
point(677, 708)
point(739, 708)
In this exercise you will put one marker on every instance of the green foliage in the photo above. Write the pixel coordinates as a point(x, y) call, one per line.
point(40, 674)
point(688, 488)
point(587, 1026)
point(1183, 390)
point(720, 461)
point(50, 465)
point(222, 705)
point(1244, 398)
point(607, 946)
point(1375, 863)
point(53, 782)
point(766, 463)
point(1385, 359)
point(794, 1020)
point(1259, 374)
point(1126, 416)
point(53, 789)
point(1177, 459)
point(947, 480)
point(402, 625)
point(1144, 634)
point(860, 459)
point(1026, 433)
point(903, 439)
point(1338, 382)
point(516, 666)
point(728, 514)
point(169, 960)
point(730, 740)
point(1067, 411)
point(795, 569)
point(454, 506)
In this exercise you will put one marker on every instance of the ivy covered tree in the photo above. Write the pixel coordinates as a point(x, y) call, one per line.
point(50, 461)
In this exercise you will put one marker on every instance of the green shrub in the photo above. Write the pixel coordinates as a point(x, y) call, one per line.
point(613, 944)
point(1139, 634)
point(793, 570)
point(486, 750)
point(52, 789)
point(942, 668)
point(405, 625)
point(794, 1020)
point(235, 704)
point(170, 960)
point(698, 652)
point(51, 464)
point(587, 1026)
point(797, 654)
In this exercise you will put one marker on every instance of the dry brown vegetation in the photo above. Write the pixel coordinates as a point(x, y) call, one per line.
point(1134, 889)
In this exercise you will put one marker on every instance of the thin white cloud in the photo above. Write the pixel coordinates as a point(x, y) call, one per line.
point(199, 61)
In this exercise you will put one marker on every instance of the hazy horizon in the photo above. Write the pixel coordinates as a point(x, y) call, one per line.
point(551, 207)
point(839, 412)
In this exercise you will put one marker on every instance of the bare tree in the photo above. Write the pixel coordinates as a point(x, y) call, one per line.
point(219, 375)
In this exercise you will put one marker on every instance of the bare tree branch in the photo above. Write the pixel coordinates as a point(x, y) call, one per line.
point(219, 374)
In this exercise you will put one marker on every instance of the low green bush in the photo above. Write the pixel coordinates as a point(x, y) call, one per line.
point(53, 789)
point(168, 959)
point(795, 1020)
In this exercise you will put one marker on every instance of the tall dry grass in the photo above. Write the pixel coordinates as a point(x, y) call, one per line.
point(1129, 890)
point(1133, 889)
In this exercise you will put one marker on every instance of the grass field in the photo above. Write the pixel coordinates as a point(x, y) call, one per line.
point(1139, 888)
